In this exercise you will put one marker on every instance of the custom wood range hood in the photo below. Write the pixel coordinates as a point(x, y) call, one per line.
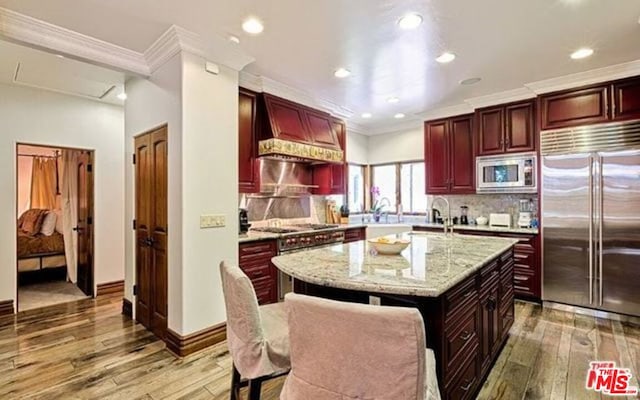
point(296, 132)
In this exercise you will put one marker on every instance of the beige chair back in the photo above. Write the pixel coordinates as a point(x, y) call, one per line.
point(345, 351)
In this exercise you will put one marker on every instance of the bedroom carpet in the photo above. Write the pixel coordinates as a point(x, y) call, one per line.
point(47, 294)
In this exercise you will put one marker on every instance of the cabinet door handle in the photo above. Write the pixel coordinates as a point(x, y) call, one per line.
point(466, 335)
point(466, 387)
point(468, 294)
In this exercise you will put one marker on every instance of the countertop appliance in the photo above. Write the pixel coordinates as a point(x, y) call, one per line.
point(243, 219)
point(500, 219)
point(514, 173)
point(591, 216)
point(464, 215)
point(525, 213)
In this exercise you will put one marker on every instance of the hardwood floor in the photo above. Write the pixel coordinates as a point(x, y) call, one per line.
point(88, 350)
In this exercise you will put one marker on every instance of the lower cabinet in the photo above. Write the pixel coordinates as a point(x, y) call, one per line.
point(255, 262)
point(355, 234)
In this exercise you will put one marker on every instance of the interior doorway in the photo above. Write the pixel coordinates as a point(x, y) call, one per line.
point(151, 215)
point(54, 225)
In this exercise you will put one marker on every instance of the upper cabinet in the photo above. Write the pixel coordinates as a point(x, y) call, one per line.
point(626, 99)
point(331, 178)
point(575, 107)
point(248, 166)
point(295, 122)
point(448, 154)
point(506, 128)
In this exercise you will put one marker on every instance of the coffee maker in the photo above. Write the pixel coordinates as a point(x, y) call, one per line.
point(243, 221)
point(464, 218)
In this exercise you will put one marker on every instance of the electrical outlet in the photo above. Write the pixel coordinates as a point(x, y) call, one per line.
point(374, 300)
point(212, 221)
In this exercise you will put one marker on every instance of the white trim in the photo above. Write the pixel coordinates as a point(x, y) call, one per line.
point(406, 125)
point(34, 32)
point(445, 112)
point(593, 76)
point(507, 96)
point(268, 85)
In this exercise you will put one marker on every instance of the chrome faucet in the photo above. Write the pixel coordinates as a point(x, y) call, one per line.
point(448, 222)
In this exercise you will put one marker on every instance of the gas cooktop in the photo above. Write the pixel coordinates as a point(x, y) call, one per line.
point(295, 228)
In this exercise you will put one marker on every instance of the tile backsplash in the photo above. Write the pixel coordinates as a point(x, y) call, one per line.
point(484, 204)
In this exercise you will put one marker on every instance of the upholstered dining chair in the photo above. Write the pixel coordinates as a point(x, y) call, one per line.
point(345, 351)
point(257, 336)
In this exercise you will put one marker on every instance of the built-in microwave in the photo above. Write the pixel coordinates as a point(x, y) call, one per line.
point(513, 173)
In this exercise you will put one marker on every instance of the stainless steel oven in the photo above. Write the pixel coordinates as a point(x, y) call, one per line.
point(513, 173)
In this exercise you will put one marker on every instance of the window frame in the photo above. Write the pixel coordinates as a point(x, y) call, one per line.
point(365, 186)
point(398, 165)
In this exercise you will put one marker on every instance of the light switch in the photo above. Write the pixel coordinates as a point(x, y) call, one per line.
point(212, 221)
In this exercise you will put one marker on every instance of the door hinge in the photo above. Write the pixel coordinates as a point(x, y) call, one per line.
point(89, 220)
point(134, 158)
point(89, 168)
point(134, 224)
point(135, 290)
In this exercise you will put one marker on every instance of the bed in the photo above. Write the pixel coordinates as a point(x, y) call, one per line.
point(41, 253)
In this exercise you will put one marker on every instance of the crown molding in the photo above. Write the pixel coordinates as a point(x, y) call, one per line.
point(590, 77)
point(444, 112)
point(507, 96)
point(411, 123)
point(355, 127)
point(268, 85)
point(27, 30)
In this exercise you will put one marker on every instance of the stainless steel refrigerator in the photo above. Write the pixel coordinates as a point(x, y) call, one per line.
point(591, 217)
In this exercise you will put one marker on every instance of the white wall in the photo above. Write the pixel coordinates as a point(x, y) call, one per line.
point(42, 117)
point(405, 145)
point(151, 103)
point(210, 186)
point(357, 148)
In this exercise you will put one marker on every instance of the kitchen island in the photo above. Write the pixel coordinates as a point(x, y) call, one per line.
point(462, 285)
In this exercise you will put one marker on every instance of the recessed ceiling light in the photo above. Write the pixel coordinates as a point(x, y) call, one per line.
point(470, 81)
point(122, 96)
point(366, 115)
point(393, 100)
point(234, 39)
point(398, 116)
point(342, 73)
point(446, 57)
point(252, 25)
point(582, 53)
point(59, 56)
point(410, 21)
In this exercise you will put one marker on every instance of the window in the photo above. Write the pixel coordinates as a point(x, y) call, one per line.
point(355, 197)
point(384, 178)
point(412, 193)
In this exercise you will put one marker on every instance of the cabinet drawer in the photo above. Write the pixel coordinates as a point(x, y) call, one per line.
point(463, 387)
point(459, 340)
point(524, 283)
point(463, 294)
point(258, 250)
point(353, 235)
point(525, 260)
point(258, 269)
point(489, 274)
point(266, 290)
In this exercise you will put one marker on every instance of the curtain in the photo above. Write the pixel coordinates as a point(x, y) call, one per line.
point(70, 211)
point(43, 183)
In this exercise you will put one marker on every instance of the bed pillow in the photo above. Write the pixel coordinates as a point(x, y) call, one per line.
point(49, 223)
point(59, 221)
point(32, 221)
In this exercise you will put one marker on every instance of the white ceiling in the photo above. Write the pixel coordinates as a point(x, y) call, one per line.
point(507, 43)
point(29, 67)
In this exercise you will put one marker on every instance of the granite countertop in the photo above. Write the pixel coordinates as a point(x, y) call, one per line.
point(482, 228)
point(430, 266)
point(254, 236)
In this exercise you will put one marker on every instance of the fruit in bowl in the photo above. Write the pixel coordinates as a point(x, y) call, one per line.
point(389, 246)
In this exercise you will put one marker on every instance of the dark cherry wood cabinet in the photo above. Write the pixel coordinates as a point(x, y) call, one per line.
point(626, 99)
point(332, 178)
point(355, 234)
point(575, 107)
point(248, 165)
point(255, 262)
point(287, 119)
point(449, 156)
point(506, 128)
point(321, 128)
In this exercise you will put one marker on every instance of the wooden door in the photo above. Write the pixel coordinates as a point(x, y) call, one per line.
point(490, 131)
point(520, 127)
point(575, 107)
point(248, 171)
point(287, 119)
point(626, 99)
point(436, 156)
point(84, 227)
point(151, 231)
point(462, 157)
